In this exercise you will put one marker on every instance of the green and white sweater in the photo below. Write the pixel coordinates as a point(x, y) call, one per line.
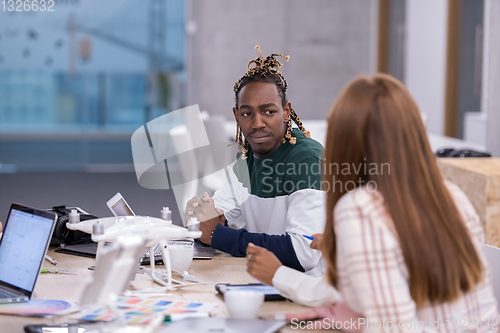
point(273, 201)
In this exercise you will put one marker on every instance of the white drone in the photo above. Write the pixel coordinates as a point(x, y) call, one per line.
point(154, 231)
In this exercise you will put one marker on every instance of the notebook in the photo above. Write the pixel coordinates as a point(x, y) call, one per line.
point(26, 237)
point(119, 207)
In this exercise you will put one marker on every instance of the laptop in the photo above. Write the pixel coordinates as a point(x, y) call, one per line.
point(26, 237)
point(119, 207)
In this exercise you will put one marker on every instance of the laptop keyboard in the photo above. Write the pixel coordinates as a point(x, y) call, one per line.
point(7, 294)
point(157, 249)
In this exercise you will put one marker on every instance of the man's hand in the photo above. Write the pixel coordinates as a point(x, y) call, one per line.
point(206, 213)
point(207, 228)
point(316, 243)
point(201, 208)
point(262, 264)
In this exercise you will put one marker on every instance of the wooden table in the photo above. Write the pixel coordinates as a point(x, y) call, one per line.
point(223, 268)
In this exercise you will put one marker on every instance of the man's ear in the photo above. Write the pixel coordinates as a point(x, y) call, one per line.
point(287, 109)
point(235, 113)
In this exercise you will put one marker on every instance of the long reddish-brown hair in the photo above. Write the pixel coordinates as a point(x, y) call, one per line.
point(376, 120)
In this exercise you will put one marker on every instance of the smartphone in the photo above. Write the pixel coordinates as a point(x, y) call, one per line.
point(270, 293)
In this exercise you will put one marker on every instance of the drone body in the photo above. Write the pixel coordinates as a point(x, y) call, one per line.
point(151, 229)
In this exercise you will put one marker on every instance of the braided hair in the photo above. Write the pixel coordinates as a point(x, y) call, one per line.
point(266, 70)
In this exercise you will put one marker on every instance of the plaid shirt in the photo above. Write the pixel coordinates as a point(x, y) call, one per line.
point(373, 277)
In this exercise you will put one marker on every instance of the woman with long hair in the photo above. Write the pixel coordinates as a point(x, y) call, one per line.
point(403, 247)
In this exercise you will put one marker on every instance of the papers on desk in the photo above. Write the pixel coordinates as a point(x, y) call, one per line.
point(144, 311)
point(39, 308)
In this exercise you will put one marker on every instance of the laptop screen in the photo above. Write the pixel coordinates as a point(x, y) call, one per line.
point(23, 247)
point(120, 208)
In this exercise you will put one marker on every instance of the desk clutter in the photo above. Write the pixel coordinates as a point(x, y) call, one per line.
point(144, 311)
point(114, 297)
point(45, 308)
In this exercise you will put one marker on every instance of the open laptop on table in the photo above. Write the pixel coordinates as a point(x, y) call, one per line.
point(26, 237)
point(120, 207)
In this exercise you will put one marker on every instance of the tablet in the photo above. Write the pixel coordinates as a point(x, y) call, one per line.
point(118, 206)
point(271, 293)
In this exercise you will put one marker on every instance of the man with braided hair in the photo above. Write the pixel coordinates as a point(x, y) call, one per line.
point(275, 193)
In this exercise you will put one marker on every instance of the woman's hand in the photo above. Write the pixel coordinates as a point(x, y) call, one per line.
point(328, 315)
point(316, 243)
point(262, 264)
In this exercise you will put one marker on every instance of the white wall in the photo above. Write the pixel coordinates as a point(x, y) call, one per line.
point(330, 42)
point(490, 99)
point(425, 63)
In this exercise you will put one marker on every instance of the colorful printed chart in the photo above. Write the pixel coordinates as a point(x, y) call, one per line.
point(38, 308)
point(143, 311)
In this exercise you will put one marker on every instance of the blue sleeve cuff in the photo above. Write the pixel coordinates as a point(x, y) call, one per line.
point(224, 239)
point(235, 242)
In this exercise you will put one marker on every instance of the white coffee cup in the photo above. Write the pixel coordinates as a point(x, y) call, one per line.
point(243, 304)
point(181, 254)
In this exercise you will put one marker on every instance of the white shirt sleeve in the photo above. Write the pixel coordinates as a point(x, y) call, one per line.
point(306, 216)
point(224, 199)
point(304, 289)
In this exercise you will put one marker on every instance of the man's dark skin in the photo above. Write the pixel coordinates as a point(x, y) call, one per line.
point(262, 119)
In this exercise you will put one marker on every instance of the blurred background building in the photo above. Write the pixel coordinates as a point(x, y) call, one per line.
point(76, 82)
